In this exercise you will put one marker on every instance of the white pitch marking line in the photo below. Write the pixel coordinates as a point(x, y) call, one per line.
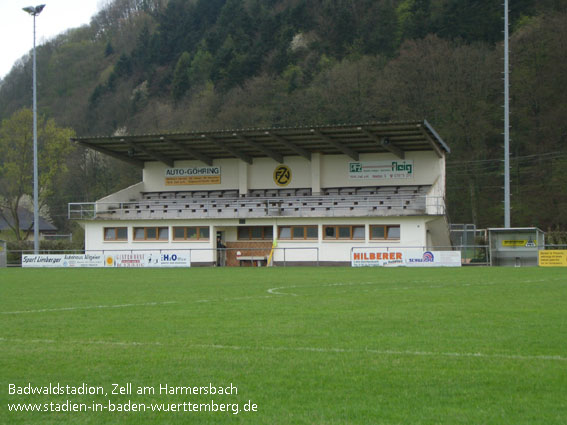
point(276, 291)
point(91, 307)
point(52, 341)
point(385, 352)
point(306, 349)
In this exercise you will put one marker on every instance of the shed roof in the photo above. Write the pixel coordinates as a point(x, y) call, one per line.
point(26, 221)
point(515, 229)
point(247, 144)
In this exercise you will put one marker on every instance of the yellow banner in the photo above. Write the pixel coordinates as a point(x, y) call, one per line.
point(189, 180)
point(510, 242)
point(552, 258)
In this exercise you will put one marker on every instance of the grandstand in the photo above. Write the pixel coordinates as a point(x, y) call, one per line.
point(318, 191)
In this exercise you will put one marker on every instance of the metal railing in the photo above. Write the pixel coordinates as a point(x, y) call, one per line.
point(310, 206)
point(470, 255)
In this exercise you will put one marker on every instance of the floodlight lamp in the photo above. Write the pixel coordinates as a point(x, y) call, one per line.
point(34, 11)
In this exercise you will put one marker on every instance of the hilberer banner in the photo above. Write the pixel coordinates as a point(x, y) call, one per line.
point(376, 257)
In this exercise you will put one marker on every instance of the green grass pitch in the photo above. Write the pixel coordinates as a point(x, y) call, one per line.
point(306, 345)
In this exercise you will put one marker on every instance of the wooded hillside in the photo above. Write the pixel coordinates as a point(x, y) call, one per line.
point(158, 65)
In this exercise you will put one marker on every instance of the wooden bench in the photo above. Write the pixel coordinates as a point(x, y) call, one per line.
point(251, 258)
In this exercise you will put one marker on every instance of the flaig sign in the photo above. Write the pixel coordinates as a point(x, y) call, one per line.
point(381, 170)
point(376, 257)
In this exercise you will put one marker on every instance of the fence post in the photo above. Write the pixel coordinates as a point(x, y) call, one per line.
point(3, 254)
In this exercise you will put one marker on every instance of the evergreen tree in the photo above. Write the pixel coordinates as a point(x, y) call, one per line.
point(180, 84)
point(109, 50)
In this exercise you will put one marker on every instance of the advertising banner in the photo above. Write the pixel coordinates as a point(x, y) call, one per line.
point(192, 175)
point(110, 259)
point(147, 259)
point(381, 170)
point(375, 257)
point(552, 258)
point(63, 260)
point(521, 243)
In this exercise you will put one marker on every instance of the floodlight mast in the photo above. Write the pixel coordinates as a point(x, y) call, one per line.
point(34, 11)
point(506, 119)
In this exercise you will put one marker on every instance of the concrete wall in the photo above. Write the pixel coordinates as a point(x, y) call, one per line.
point(427, 168)
point(438, 235)
point(124, 195)
point(321, 172)
point(94, 238)
point(412, 230)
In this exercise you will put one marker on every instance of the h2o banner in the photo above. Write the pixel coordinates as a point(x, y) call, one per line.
point(147, 259)
point(376, 257)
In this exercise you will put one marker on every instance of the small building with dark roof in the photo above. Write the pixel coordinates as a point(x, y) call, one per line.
point(26, 220)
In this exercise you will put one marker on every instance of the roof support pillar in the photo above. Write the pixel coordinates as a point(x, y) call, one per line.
point(242, 178)
point(222, 145)
point(194, 153)
point(315, 173)
point(385, 143)
point(337, 144)
point(434, 145)
point(298, 150)
point(272, 154)
point(155, 155)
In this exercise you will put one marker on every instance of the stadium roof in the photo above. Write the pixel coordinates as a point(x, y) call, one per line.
point(276, 143)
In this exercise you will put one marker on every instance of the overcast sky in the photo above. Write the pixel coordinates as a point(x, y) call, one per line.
point(16, 26)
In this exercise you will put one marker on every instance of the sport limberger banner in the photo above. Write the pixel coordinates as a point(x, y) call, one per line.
point(63, 260)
